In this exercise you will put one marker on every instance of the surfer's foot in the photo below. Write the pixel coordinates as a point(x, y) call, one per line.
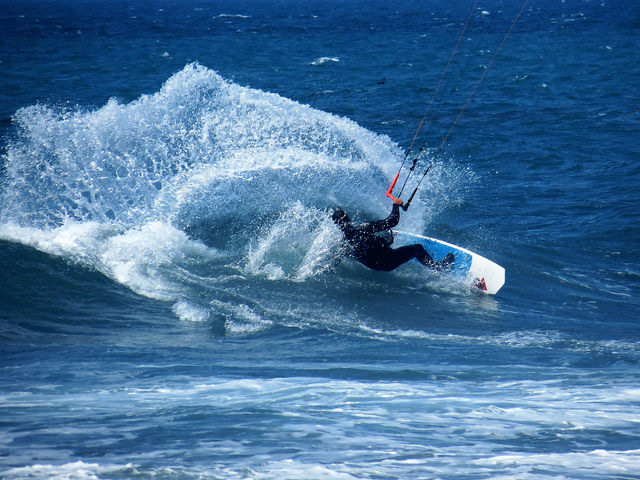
point(445, 263)
point(441, 266)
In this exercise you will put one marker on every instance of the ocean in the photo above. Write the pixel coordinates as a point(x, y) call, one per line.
point(174, 303)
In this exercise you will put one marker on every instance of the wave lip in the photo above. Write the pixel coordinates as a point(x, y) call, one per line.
point(130, 163)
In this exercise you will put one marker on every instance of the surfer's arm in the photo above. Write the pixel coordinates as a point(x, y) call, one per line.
point(389, 222)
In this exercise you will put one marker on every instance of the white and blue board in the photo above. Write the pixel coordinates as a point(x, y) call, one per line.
point(474, 269)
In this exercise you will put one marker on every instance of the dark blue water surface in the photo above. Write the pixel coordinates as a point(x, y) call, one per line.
point(172, 302)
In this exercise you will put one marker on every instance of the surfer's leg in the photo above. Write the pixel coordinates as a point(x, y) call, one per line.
point(394, 257)
point(401, 255)
point(423, 257)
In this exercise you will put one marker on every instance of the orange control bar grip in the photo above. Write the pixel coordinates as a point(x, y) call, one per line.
point(393, 184)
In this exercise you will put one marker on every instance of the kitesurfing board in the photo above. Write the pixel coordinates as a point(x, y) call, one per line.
point(473, 268)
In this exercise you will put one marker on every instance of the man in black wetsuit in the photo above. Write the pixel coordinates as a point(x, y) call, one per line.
point(375, 252)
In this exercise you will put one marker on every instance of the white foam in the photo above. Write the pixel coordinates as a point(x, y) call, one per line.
point(300, 244)
point(324, 252)
point(324, 60)
point(186, 310)
point(295, 469)
point(69, 471)
point(80, 242)
point(571, 464)
point(140, 258)
point(231, 15)
point(246, 320)
point(393, 429)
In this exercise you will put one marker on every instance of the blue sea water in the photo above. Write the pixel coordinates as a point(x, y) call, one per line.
point(172, 303)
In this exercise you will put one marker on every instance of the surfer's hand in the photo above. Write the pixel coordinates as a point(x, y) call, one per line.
point(397, 201)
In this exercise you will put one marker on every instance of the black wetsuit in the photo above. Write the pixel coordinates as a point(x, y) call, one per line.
point(374, 251)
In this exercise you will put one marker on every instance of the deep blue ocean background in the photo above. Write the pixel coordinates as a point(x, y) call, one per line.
point(172, 304)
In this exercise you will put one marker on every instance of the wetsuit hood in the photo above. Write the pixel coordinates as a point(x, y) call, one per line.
point(340, 217)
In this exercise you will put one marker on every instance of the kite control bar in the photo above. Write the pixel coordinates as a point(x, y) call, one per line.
point(405, 206)
point(393, 184)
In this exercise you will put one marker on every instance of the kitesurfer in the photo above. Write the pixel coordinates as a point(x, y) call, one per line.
point(374, 251)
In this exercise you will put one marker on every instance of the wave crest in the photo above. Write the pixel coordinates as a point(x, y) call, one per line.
point(129, 163)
